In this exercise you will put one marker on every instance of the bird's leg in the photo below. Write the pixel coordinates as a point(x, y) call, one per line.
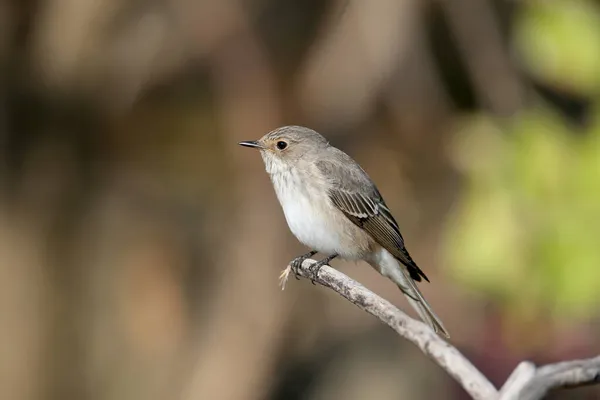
point(314, 269)
point(297, 262)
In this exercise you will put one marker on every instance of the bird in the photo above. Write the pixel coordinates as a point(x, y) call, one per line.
point(332, 206)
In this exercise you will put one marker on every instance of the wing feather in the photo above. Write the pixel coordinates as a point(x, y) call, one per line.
point(356, 196)
point(374, 216)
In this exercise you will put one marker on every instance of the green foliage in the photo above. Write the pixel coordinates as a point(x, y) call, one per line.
point(527, 230)
point(528, 227)
point(559, 42)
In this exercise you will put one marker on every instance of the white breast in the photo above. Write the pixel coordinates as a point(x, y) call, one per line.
point(311, 217)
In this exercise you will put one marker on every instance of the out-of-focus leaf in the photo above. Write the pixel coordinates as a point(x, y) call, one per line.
point(559, 42)
point(527, 228)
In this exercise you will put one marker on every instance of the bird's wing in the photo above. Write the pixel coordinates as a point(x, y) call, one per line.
point(352, 192)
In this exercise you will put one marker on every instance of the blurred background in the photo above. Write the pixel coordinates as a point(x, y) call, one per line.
point(140, 247)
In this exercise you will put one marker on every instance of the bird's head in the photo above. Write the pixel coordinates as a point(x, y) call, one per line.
point(286, 146)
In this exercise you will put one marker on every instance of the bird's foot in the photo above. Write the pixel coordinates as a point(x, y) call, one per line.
point(316, 267)
point(297, 262)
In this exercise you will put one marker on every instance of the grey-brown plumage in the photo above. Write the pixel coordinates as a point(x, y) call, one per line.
point(332, 206)
point(357, 197)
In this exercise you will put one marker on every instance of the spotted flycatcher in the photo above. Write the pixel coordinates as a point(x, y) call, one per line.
point(332, 206)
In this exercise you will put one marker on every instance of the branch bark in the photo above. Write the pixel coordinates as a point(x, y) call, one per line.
point(526, 382)
point(444, 354)
point(538, 382)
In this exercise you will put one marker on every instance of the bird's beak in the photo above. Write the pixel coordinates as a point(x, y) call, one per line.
point(251, 143)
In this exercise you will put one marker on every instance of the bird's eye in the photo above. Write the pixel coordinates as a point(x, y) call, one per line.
point(281, 145)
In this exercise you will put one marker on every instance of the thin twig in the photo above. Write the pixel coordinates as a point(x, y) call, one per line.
point(524, 372)
point(444, 354)
point(555, 376)
point(525, 383)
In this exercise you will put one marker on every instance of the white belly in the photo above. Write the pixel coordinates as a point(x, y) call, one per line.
point(309, 223)
point(315, 221)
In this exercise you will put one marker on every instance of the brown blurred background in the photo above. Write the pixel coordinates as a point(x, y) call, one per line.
point(140, 246)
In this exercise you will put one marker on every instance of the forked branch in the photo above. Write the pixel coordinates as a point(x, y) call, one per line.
point(526, 382)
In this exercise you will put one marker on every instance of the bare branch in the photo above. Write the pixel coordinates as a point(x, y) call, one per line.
point(444, 354)
point(525, 383)
point(524, 372)
point(554, 376)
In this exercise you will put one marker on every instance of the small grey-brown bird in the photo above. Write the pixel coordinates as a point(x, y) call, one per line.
point(333, 207)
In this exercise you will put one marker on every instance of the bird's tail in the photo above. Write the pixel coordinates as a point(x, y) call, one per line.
point(417, 301)
point(426, 313)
